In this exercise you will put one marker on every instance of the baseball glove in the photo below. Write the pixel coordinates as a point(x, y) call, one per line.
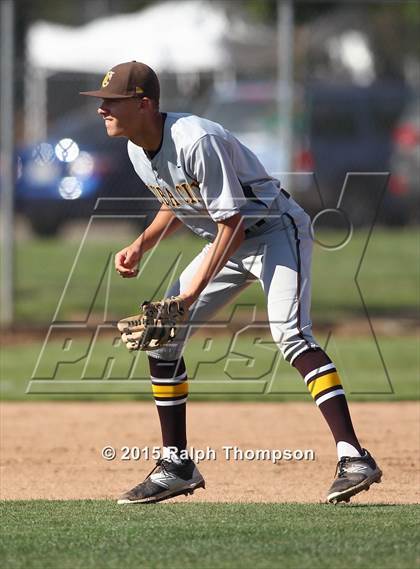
point(155, 326)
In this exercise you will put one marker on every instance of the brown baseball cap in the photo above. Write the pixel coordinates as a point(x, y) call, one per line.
point(126, 80)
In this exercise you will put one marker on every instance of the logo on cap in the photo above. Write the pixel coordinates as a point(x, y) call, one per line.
point(107, 78)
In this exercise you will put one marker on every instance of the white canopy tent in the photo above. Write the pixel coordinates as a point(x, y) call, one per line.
point(183, 36)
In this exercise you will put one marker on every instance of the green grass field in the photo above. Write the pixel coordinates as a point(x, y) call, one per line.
point(63, 281)
point(101, 534)
point(73, 283)
point(388, 276)
point(225, 371)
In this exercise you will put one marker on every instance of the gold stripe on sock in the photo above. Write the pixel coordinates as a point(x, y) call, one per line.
point(170, 390)
point(322, 383)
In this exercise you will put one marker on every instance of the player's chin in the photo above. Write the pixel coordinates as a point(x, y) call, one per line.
point(114, 131)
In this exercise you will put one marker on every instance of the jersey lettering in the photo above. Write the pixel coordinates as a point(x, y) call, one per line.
point(172, 198)
point(185, 193)
point(157, 191)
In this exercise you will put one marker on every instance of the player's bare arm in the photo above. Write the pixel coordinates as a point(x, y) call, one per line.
point(127, 260)
point(230, 235)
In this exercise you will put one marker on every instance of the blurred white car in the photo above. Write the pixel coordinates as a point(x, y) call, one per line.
point(249, 111)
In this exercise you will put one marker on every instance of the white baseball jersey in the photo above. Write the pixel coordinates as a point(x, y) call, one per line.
point(205, 174)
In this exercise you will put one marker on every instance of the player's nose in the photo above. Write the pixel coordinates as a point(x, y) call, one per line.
point(102, 110)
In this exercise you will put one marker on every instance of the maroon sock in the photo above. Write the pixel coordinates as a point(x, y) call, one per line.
point(322, 380)
point(170, 391)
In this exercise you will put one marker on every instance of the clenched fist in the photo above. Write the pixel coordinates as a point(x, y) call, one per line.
point(127, 260)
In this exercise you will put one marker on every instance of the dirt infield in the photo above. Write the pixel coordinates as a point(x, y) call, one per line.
point(53, 450)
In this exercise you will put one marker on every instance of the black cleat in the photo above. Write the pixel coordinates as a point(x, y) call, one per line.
point(353, 475)
point(167, 480)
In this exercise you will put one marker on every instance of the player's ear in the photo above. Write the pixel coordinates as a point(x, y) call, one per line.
point(141, 104)
point(147, 104)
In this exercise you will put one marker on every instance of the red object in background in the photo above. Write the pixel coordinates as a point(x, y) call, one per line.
point(398, 185)
point(406, 135)
point(304, 161)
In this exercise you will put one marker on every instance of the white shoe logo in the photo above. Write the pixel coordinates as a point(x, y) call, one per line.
point(162, 478)
point(356, 468)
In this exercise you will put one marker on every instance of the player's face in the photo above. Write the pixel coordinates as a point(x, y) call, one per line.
point(120, 115)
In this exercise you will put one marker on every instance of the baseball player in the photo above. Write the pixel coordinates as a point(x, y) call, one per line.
point(209, 181)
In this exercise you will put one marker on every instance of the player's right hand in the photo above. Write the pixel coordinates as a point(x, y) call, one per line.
point(127, 260)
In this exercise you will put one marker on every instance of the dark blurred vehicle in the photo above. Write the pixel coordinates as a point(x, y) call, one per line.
point(60, 179)
point(405, 162)
point(351, 131)
point(337, 129)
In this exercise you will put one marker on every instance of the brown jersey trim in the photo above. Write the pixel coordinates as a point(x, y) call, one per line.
point(299, 278)
point(152, 153)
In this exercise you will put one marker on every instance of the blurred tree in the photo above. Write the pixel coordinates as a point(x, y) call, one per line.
point(266, 10)
point(394, 27)
point(397, 30)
